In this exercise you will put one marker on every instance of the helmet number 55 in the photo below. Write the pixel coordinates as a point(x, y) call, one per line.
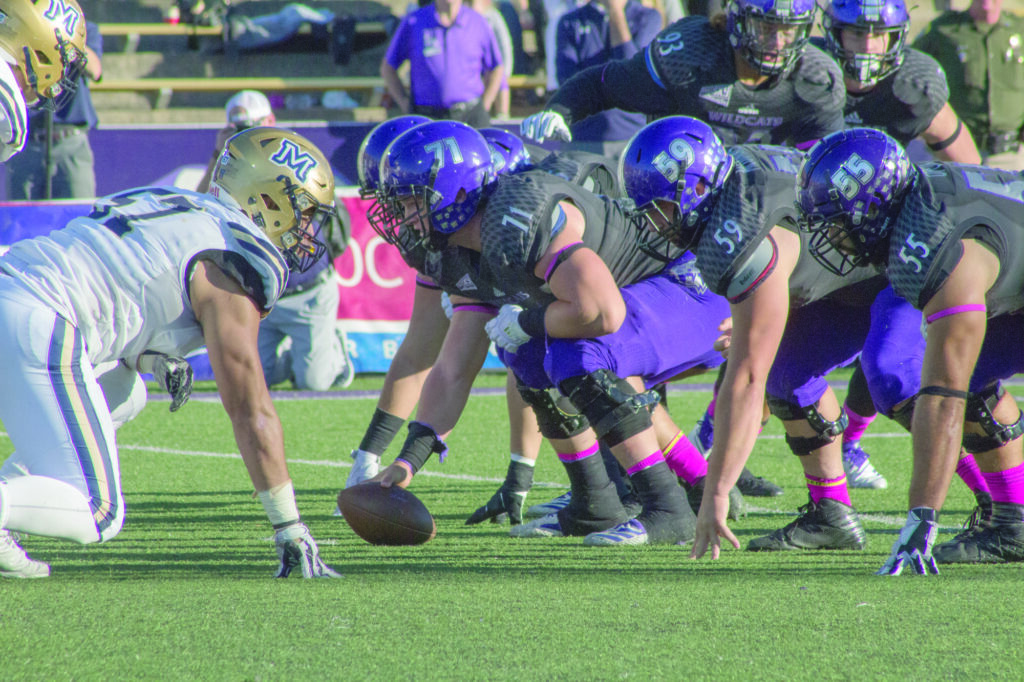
point(852, 175)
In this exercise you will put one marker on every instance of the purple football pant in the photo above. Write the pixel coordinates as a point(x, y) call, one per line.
point(893, 351)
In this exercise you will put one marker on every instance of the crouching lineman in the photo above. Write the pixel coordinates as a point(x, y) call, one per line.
point(153, 269)
point(547, 246)
point(951, 237)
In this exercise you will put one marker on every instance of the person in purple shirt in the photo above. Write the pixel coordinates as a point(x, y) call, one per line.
point(454, 64)
point(598, 32)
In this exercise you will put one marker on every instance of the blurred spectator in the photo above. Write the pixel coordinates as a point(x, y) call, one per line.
point(71, 171)
point(299, 340)
point(593, 34)
point(489, 11)
point(454, 63)
point(982, 52)
point(553, 12)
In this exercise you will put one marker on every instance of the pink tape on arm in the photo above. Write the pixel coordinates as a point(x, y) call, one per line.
point(555, 261)
point(969, 308)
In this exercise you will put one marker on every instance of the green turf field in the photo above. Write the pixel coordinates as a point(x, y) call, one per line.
point(184, 592)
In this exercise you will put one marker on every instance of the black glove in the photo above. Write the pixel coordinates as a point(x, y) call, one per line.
point(505, 501)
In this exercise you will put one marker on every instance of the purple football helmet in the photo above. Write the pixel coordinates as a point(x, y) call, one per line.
point(849, 190)
point(445, 167)
point(770, 34)
point(373, 146)
point(677, 159)
point(889, 17)
point(510, 154)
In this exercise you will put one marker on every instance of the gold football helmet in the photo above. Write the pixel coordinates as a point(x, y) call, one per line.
point(45, 41)
point(285, 184)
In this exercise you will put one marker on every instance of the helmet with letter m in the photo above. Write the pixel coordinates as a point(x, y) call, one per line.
point(284, 183)
point(432, 179)
point(889, 18)
point(44, 40)
point(673, 169)
point(770, 34)
point(849, 191)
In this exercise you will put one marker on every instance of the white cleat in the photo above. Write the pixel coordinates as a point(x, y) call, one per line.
point(630, 532)
point(15, 563)
point(365, 465)
point(544, 527)
point(860, 473)
point(550, 507)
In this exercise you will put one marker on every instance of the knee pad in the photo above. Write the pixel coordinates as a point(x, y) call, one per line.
point(826, 431)
point(903, 415)
point(613, 407)
point(554, 422)
point(979, 410)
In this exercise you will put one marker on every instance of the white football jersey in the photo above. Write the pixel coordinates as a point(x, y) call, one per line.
point(120, 275)
point(13, 116)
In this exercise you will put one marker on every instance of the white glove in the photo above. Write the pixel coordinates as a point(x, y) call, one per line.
point(296, 548)
point(365, 465)
point(446, 305)
point(504, 328)
point(545, 125)
point(173, 374)
point(914, 546)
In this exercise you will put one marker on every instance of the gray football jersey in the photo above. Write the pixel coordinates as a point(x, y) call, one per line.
point(950, 202)
point(523, 217)
point(592, 172)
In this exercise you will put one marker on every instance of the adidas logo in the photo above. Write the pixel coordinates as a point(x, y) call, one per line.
point(854, 117)
point(466, 284)
point(719, 94)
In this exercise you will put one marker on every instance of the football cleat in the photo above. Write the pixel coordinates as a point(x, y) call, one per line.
point(756, 486)
point(695, 493)
point(544, 527)
point(702, 435)
point(827, 524)
point(999, 540)
point(15, 563)
point(860, 473)
point(549, 507)
point(630, 532)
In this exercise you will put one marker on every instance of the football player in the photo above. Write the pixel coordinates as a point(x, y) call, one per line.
point(749, 73)
point(153, 269)
point(950, 237)
point(42, 58)
point(553, 256)
point(902, 91)
point(738, 217)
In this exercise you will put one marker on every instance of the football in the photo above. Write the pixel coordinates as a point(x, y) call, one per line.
point(386, 516)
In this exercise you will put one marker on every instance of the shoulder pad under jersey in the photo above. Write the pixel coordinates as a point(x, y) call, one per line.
point(684, 48)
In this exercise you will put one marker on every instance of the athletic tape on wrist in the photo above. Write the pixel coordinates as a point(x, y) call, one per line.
point(422, 442)
point(279, 504)
point(532, 321)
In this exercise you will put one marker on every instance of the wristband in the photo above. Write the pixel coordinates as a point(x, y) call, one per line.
point(532, 321)
point(381, 431)
point(279, 503)
point(421, 442)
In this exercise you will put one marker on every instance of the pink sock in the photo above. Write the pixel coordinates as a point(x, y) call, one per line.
point(1006, 486)
point(857, 426)
point(969, 472)
point(832, 488)
point(710, 412)
point(647, 462)
point(577, 456)
point(685, 460)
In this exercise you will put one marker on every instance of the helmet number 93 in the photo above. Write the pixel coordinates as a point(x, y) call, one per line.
point(438, 147)
point(669, 43)
point(852, 175)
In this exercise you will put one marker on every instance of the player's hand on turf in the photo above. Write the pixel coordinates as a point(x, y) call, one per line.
point(395, 473)
point(712, 525)
point(365, 465)
point(505, 501)
point(297, 549)
point(913, 548)
point(504, 328)
point(545, 125)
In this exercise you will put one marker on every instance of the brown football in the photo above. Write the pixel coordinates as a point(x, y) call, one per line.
point(386, 516)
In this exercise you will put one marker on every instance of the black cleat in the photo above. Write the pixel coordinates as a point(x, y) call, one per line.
point(826, 525)
point(756, 486)
point(997, 540)
point(695, 492)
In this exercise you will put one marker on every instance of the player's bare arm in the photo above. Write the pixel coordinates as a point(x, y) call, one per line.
point(954, 342)
point(230, 322)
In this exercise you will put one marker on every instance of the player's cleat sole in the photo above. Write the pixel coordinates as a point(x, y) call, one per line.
point(756, 486)
point(15, 563)
point(544, 527)
point(1000, 540)
point(860, 473)
point(550, 507)
point(826, 525)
